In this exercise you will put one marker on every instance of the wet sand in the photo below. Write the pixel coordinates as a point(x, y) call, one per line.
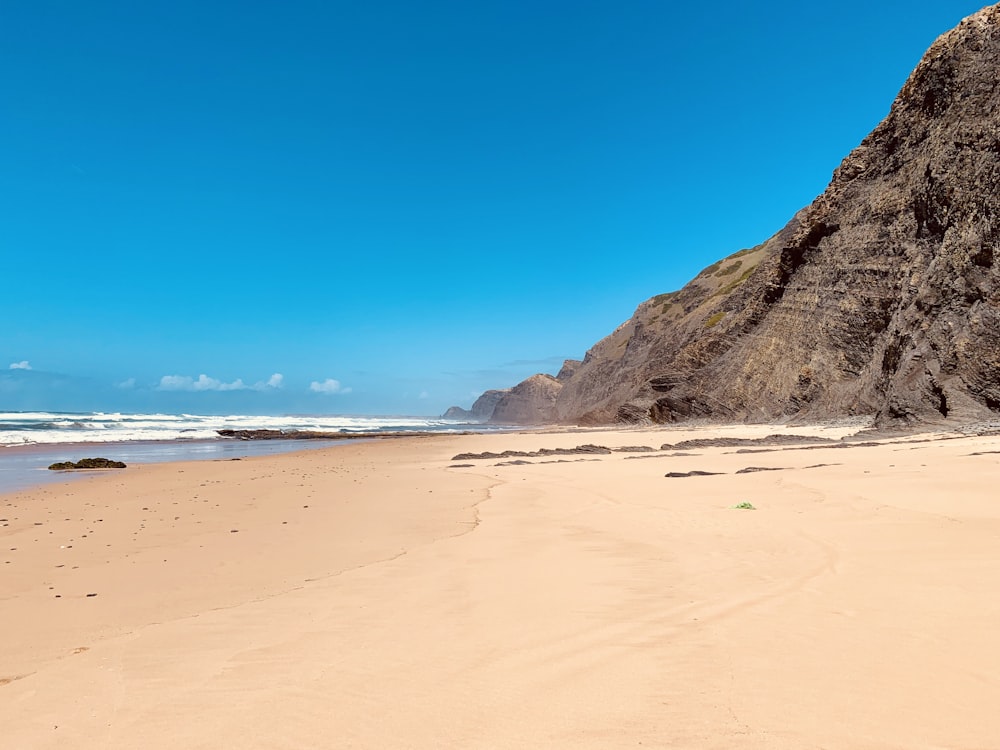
point(24, 466)
point(371, 596)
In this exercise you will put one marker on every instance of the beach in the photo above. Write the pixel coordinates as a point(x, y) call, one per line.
point(390, 595)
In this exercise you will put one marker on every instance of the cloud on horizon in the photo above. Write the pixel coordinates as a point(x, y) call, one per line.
point(22, 365)
point(206, 383)
point(328, 387)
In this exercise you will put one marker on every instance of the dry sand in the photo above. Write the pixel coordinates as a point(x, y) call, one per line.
point(369, 596)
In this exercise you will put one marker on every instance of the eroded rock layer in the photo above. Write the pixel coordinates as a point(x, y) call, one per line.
point(882, 297)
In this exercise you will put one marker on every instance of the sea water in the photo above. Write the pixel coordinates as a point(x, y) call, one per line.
point(35, 428)
point(31, 441)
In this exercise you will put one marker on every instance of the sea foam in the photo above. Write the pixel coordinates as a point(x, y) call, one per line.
point(35, 428)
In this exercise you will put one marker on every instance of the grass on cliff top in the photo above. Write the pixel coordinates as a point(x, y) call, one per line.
point(730, 269)
point(735, 282)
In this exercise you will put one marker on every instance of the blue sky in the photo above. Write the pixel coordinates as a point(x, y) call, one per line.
point(396, 205)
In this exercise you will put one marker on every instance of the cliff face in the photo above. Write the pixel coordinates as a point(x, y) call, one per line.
point(528, 403)
point(882, 297)
point(531, 401)
point(482, 409)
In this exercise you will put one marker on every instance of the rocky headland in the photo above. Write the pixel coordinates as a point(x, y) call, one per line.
point(880, 298)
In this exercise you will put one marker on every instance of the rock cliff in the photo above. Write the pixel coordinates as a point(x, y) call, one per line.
point(532, 401)
point(882, 297)
point(482, 409)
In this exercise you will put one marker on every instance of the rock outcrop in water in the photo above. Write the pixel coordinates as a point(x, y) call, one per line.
point(882, 297)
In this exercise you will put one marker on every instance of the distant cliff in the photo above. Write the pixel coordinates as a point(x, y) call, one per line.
point(529, 402)
point(482, 409)
point(880, 298)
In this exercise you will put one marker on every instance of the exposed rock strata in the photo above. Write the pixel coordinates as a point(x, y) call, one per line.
point(881, 298)
point(728, 442)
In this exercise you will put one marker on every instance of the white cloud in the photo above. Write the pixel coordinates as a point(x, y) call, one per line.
point(22, 365)
point(175, 383)
point(328, 386)
point(126, 384)
point(205, 383)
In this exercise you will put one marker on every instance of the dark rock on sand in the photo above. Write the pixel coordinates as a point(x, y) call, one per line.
point(470, 456)
point(681, 474)
point(863, 444)
point(753, 469)
point(88, 463)
point(312, 434)
point(275, 434)
point(579, 450)
point(724, 442)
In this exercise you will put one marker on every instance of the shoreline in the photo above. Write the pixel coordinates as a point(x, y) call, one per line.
point(25, 466)
point(21, 463)
point(371, 592)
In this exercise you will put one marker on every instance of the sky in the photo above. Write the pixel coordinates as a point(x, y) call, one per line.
point(387, 207)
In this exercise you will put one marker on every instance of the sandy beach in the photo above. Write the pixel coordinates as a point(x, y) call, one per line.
point(386, 595)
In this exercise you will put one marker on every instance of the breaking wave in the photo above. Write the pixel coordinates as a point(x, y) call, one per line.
point(31, 428)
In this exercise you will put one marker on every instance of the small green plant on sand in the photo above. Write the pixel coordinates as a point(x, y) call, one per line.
point(744, 506)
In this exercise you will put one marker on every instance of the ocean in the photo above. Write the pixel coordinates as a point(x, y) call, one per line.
point(41, 428)
point(30, 441)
